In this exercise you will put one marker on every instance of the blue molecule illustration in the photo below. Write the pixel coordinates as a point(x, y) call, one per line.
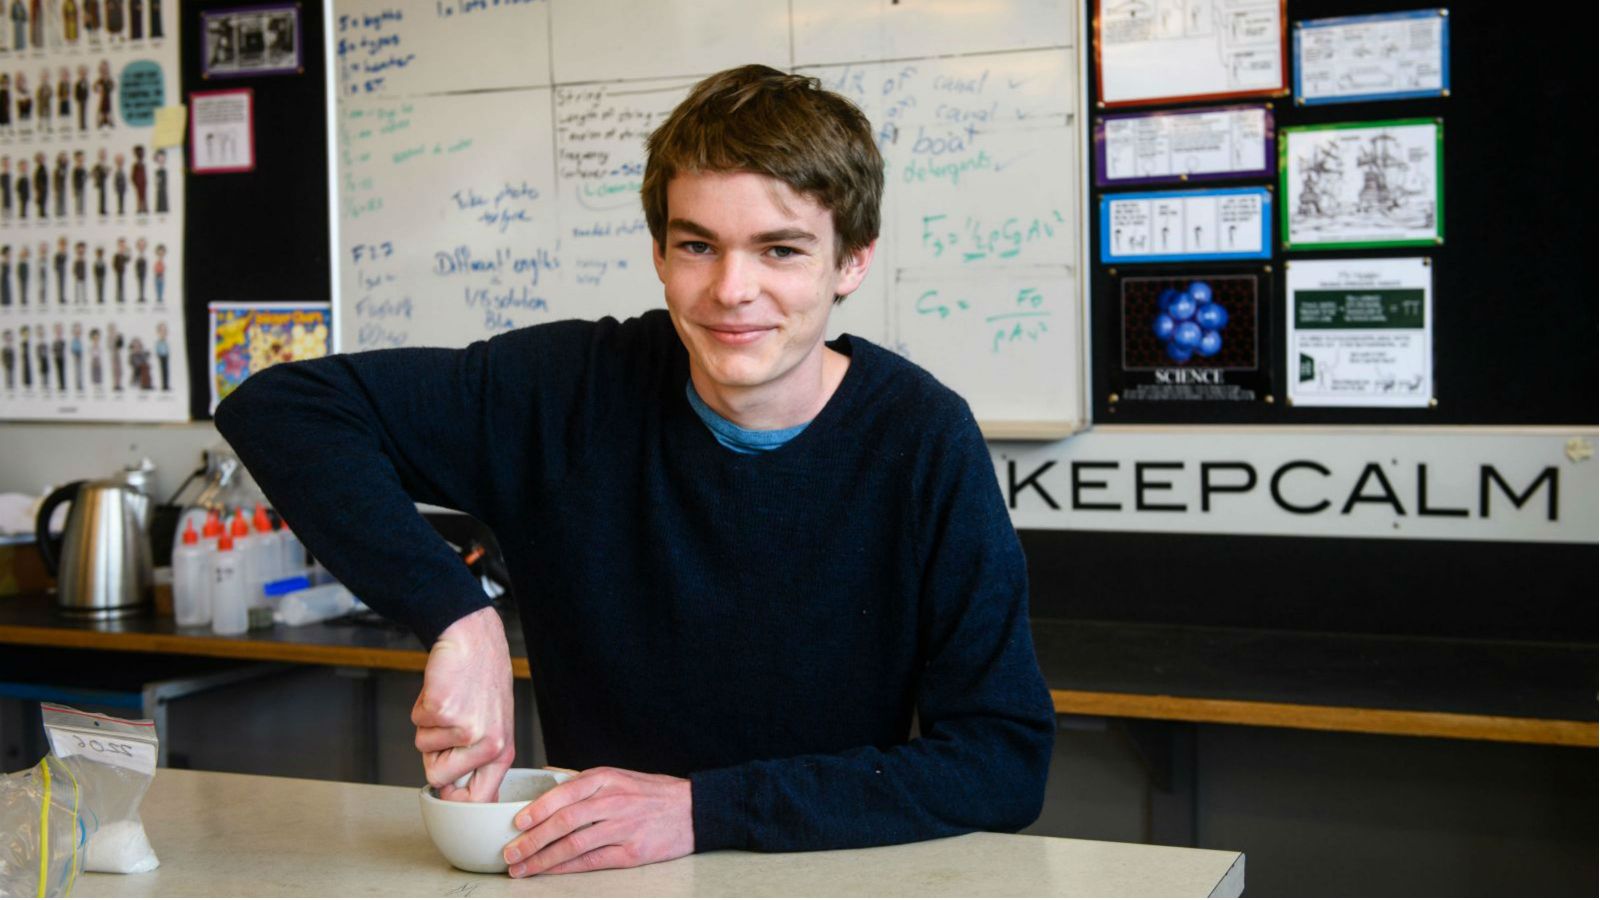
point(1187, 335)
point(1211, 316)
point(1189, 322)
point(1182, 307)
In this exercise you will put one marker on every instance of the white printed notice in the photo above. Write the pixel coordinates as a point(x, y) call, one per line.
point(1386, 57)
point(1360, 332)
point(1157, 51)
point(1188, 144)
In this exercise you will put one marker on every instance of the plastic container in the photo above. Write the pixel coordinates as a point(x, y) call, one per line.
point(246, 545)
point(191, 517)
point(315, 604)
point(229, 609)
point(269, 550)
point(191, 580)
point(294, 552)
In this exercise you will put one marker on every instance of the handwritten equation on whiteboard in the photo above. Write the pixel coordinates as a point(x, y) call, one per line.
point(501, 188)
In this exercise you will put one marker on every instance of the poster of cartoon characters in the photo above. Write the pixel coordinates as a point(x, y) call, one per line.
point(91, 214)
point(249, 337)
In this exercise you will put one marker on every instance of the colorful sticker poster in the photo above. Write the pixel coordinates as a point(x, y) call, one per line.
point(1184, 145)
point(91, 215)
point(1170, 51)
point(1393, 56)
point(222, 136)
point(1192, 336)
point(1360, 332)
point(249, 337)
point(250, 41)
point(1178, 226)
point(1363, 184)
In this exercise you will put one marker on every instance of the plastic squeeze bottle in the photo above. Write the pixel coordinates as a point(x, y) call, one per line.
point(294, 552)
point(269, 549)
point(246, 544)
point(212, 529)
point(191, 579)
point(315, 604)
point(229, 611)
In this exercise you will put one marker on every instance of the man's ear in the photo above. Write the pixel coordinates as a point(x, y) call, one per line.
point(853, 269)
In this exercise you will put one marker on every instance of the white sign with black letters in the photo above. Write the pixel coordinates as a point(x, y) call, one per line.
point(1421, 483)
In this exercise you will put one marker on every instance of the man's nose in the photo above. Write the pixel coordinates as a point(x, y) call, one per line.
point(736, 281)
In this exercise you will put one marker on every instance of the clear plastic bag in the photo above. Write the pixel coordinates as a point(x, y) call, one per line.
point(42, 831)
point(114, 760)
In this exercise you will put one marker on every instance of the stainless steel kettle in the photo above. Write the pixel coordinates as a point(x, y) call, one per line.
point(102, 560)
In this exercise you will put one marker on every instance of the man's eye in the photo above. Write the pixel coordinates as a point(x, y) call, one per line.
point(696, 247)
point(784, 252)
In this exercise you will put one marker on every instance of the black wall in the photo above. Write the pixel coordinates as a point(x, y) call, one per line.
point(261, 235)
point(1514, 310)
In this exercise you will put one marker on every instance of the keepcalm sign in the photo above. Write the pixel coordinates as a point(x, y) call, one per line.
point(1446, 484)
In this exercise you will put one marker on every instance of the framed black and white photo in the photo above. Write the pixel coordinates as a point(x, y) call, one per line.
point(251, 41)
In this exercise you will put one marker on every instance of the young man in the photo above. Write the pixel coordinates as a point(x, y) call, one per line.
point(746, 559)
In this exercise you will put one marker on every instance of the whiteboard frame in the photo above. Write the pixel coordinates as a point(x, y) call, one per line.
point(330, 59)
point(1078, 420)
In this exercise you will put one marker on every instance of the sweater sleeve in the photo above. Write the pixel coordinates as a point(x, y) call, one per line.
point(986, 719)
point(345, 446)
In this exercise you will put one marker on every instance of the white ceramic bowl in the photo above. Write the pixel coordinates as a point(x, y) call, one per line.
point(473, 835)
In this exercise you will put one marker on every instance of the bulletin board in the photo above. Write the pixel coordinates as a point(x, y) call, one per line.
point(262, 235)
point(1511, 322)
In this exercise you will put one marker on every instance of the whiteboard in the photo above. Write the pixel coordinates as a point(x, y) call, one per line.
point(489, 155)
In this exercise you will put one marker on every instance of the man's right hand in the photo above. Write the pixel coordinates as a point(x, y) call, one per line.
point(464, 715)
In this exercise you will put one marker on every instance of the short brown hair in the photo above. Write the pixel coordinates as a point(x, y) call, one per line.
point(758, 119)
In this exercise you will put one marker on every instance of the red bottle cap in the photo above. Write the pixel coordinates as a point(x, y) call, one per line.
point(213, 525)
point(262, 524)
point(189, 537)
point(240, 528)
point(225, 543)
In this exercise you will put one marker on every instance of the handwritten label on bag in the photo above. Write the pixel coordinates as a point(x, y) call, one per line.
point(110, 749)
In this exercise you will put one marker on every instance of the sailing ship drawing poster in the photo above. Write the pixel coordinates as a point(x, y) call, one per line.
point(1363, 184)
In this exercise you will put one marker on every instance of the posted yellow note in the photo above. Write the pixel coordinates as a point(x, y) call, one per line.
point(171, 121)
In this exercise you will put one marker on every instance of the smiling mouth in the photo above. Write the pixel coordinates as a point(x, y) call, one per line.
point(737, 335)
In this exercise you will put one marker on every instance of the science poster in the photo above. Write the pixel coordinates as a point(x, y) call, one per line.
point(1360, 332)
point(1169, 51)
point(91, 214)
point(1192, 336)
point(1184, 145)
point(1178, 226)
point(1363, 184)
point(1392, 56)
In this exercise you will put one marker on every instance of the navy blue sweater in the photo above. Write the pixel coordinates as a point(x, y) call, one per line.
point(766, 626)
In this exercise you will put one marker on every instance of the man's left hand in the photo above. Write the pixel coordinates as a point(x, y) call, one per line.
point(604, 819)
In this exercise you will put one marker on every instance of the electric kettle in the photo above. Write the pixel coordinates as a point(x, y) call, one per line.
point(102, 559)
